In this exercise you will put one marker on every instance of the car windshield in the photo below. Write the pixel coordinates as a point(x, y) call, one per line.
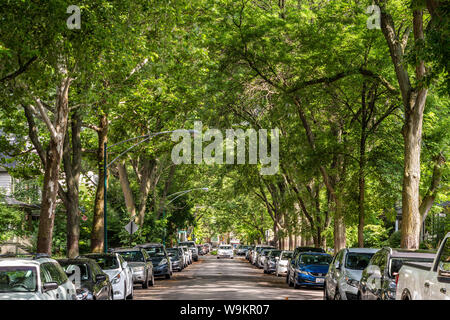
point(275, 253)
point(18, 279)
point(132, 256)
point(155, 252)
point(357, 260)
point(225, 247)
point(82, 268)
point(172, 253)
point(106, 262)
point(321, 259)
point(286, 255)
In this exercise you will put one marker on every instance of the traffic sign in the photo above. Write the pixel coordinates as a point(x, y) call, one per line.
point(131, 227)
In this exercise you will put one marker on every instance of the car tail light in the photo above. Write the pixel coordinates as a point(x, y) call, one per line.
point(395, 274)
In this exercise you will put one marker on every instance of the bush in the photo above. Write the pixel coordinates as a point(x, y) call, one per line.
point(395, 239)
point(214, 252)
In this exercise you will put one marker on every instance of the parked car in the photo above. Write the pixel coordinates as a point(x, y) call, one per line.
point(241, 250)
point(35, 277)
point(297, 252)
point(378, 278)
point(141, 264)
point(192, 247)
point(162, 266)
point(261, 258)
point(176, 258)
point(201, 250)
point(89, 279)
point(257, 251)
point(309, 269)
point(344, 274)
point(270, 263)
point(208, 247)
point(118, 271)
point(225, 251)
point(188, 255)
point(426, 281)
point(248, 253)
point(282, 262)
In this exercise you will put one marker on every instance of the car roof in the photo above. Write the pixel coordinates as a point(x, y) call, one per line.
point(99, 254)
point(126, 249)
point(404, 253)
point(315, 253)
point(149, 245)
point(76, 261)
point(24, 261)
point(362, 250)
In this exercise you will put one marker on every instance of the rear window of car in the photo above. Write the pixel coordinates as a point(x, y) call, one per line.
point(357, 260)
point(106, 262)
point(319, 259)
point(132, 256)
point(18, 279)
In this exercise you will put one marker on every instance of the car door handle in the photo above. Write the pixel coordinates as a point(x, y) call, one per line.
point(426, 284)
point(443, 290)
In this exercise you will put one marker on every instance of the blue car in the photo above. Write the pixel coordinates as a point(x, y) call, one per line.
point(310, 269)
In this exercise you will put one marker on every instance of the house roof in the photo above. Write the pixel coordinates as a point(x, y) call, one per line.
point(13, 202)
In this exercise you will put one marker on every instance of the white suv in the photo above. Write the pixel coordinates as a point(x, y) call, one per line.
point(38, 278)
point(225, 251)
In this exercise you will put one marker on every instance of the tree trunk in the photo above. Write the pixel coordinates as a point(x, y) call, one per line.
point(126, 189)
point(414, 103)
point(52, 165)
point(97, 233)
point(72, 168)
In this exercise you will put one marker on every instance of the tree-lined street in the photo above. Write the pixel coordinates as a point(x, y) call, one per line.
point(299, 125)
point(228, 279)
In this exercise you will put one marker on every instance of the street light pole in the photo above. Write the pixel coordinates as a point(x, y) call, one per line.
point(106, 165)
point(105, 172)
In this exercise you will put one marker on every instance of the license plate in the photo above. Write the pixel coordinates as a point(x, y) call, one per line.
point(320, 280)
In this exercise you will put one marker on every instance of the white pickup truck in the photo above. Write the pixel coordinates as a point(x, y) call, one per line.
point(426, 281)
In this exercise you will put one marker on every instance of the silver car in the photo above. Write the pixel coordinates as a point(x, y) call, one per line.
point(344, 274)
point(38, 278)
point(282, 262)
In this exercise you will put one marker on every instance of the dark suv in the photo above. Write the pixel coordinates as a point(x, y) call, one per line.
point(295, 256)
point(141, 264)
point(160, 259)
point(90, 281)
point(378, 278)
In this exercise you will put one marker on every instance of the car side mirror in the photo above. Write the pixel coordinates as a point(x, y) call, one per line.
point(125, 264)
point(100, 277)
point(70, 273)
point(50, 286)
point(443, 273)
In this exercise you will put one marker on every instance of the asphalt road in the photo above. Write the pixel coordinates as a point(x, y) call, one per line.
point(224, 279)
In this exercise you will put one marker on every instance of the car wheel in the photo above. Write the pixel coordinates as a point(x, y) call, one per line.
point(287, 277)
point(290, 282)
point(337, 295)
point(152, 281)
point(217, 257)
point(168, 275)
point(145, 283)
